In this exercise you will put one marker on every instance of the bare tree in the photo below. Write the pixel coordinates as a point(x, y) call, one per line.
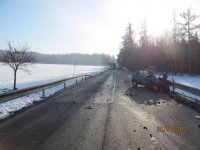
point(175, 36)
point(17, 59)
point(143, 34)
point(176, 30)
point(189, 23)
point(187, 28)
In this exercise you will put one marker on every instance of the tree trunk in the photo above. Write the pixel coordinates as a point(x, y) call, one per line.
point(15, 76)
point(175, 65)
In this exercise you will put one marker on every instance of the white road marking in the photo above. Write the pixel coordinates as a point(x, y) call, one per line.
point(114, 84)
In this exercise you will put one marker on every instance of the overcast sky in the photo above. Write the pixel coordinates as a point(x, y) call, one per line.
point(83, 26)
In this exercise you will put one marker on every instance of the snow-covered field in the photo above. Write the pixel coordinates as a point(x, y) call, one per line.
point(40, 74)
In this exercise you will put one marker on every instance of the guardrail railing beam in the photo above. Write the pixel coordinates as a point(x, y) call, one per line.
point(27, 91)
point(186, 88)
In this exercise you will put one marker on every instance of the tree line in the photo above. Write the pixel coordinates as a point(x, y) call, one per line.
point(177, 51)
point(74, 59)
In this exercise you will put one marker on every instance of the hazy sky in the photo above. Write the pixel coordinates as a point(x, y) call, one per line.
point(83, 26)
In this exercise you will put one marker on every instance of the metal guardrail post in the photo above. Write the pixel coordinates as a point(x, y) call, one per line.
point(76, 81)
point(173, 88)
point(43, 93)
point(64, 85)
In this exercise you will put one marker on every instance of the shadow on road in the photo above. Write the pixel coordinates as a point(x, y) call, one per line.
point(142, 95)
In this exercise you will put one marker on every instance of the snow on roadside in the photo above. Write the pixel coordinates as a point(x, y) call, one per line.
point(9, 107)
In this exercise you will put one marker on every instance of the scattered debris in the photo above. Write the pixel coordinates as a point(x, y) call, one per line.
point(164, 102)
point(138, 148)
point(151, 101)
point(197, 117)
point(88, 107)
point(130, 94)
point(134, 130)
point(153, 138)
point(158, 102)
point(88, 119)
point(145, 128)
point(150, 135)
point(199, 126)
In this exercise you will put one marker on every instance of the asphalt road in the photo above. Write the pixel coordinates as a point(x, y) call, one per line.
point(104, 113)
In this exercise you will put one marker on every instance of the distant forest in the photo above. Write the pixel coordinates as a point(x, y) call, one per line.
point(73, 58)
point(176, 51)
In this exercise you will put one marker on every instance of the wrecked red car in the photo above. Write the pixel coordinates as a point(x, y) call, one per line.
point(148, 79)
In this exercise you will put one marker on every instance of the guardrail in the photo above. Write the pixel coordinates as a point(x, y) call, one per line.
point(27, 91)
point(186, 88)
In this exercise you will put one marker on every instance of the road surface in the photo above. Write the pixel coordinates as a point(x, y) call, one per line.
point(104, 113)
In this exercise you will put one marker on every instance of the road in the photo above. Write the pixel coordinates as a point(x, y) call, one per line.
point(104, 113)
